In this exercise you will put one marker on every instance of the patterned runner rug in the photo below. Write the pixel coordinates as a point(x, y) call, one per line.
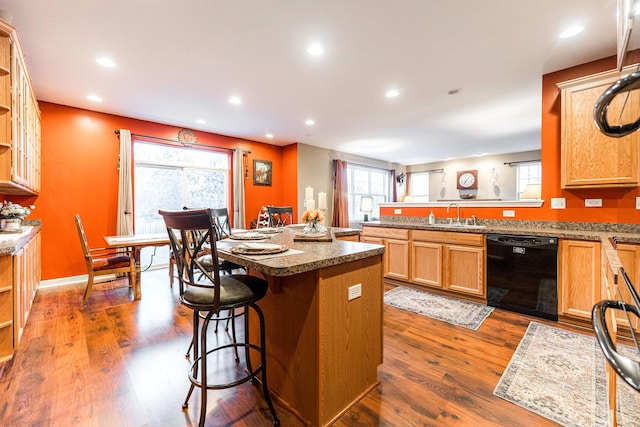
point(451, 310)
point(561, 375)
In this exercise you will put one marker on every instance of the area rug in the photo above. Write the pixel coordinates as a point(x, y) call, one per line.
point(560, 375)
point(451, 310)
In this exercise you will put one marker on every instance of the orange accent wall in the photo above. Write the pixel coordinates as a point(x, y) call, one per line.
point(618, 204)
point(79, 175)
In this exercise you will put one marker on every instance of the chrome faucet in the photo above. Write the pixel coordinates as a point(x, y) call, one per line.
point(458, 208)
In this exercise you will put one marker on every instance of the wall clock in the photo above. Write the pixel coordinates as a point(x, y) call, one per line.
point(468, 180)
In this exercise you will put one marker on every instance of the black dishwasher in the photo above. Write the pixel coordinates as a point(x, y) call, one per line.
point(522, 274)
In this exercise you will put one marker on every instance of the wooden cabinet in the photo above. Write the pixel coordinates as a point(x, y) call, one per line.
point(19, 279)
point(579, 279)
point(590, 159)
point(451, 261)
point(629, 256)
point(19, 120)
point(396, 249)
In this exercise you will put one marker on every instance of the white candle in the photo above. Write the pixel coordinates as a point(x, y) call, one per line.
point(322, 200)
point(311, 204)
point(308, 193)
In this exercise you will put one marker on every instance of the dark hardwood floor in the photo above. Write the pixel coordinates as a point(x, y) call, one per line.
point(121, 363)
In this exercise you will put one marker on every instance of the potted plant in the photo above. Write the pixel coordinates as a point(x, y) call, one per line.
point(12, 214)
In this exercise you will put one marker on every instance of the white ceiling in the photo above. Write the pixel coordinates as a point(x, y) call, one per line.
point(181, 60)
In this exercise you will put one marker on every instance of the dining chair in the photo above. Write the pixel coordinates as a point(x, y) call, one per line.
point(263, 218)
point(279, 216)
point(105, 261)
point(209, 292)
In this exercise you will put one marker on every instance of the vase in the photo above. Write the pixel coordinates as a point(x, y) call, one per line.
point(11, 223)
point(314, 227)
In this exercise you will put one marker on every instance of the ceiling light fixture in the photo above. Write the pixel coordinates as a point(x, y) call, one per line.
point(106, 62)
point(310, 122)
point(235, 100)
point(94, 98)
point(392, 93)
point(269, 135)
point(315, 50)
point(201, 121)
point(571, 31)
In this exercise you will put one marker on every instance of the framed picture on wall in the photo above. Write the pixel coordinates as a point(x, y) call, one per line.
point(261, 172)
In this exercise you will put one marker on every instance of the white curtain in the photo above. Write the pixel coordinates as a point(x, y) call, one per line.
point(238, 189)
point(239, 219)
point(124, 225)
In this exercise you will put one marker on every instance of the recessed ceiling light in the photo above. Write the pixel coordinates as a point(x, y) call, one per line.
point(571, 31)
point(269, 135)
point(392, 93)
point(106, 62)
point(94, 98)
point(201, 121)
point(315, 49)
point(310, 122)
point(235, 100)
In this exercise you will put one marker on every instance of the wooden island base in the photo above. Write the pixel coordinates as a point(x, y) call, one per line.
point(323, 351)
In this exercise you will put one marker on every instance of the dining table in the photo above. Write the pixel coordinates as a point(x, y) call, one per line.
point(137, 242)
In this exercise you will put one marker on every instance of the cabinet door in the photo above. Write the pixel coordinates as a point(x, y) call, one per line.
point(464, 268)
point(579, 281)
point(629, 256)
point(588, 157)
point(397, 259)
point(377, 241)
point(426, 264)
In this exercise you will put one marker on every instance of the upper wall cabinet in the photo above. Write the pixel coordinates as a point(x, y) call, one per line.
point(591, 159)
point(19, 120)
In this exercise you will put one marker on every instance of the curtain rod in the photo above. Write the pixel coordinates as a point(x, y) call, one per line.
point(117, 132)
point(441, 170)
point(510, 164)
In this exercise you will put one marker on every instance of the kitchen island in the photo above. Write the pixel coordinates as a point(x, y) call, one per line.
point(323, 350)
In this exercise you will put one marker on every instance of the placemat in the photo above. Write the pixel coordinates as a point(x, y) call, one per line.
point(323, 237)
point(249, 236)
point(258, 249)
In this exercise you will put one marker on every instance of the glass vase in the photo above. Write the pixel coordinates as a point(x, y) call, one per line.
point(314, 227)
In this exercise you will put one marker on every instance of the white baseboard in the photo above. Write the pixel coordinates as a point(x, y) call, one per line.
point(74, 280)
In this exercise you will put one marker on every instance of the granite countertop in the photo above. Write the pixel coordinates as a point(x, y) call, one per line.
point(11, 242)
point(314, 256)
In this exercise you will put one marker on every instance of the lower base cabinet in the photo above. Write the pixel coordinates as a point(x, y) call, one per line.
point(19, 279)
point(450, 261)
point(579, 276)
point(396, 249)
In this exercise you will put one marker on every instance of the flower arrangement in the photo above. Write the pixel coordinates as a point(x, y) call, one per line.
point(314, 219)
point(14, 210)
point(312, 215)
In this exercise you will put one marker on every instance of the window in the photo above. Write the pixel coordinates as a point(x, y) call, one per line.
point(169, 177)
point(528, 173)
point(419, 187)
point(365, 181)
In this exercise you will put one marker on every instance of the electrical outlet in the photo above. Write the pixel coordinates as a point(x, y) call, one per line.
point(558, 203)
point(637, 202)
point(355, 291)
point(508, 213)
point(593, 203)
point(397, 211)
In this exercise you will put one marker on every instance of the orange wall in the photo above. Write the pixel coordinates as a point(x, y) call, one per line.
point(79, 175)
point(618, 205)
